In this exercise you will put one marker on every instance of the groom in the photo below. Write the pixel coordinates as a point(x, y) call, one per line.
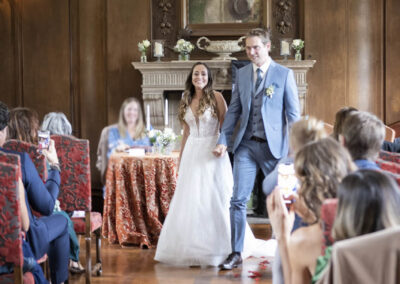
point(265, 102)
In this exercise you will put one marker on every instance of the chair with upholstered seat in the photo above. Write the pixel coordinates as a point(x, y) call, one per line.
point(390, 156)
point(396, 127)
point(38, 160)
point(40, 164)
point(328, 128)
point(76, 192)
point(328, 213)
point(10, 220)
point(390, 134)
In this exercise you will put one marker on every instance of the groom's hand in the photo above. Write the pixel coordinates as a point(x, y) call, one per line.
point(219, 150)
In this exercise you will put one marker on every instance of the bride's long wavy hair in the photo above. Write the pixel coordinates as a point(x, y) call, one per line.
point(207, 100)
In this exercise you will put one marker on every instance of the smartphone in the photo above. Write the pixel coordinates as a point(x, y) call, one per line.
point(287, 180)
point(43, 140)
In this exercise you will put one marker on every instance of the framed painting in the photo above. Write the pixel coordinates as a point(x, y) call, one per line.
point(224, 17)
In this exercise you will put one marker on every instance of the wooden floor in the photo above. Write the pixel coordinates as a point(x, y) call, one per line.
point(135, 265)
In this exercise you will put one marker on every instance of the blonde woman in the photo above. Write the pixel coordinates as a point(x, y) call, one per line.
point(319, 166)
point(129, 131)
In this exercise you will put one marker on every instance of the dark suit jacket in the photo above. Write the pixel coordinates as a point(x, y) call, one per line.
point(41, 198)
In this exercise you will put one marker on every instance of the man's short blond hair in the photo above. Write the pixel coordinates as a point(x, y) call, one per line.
point(363, 135)
point(263, 34)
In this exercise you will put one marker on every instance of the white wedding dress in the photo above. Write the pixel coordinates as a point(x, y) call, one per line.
point(196, 230)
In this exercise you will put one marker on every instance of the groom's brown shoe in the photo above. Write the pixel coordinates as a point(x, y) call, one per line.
point(233, 261)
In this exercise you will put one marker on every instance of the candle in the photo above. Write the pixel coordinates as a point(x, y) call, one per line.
point(148, 117)
point(158, 49)
point(285, 48)
point(166, 112)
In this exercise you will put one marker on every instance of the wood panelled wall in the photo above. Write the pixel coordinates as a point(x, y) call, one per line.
point(392, 61)
point(355, 45)
point(74, 56)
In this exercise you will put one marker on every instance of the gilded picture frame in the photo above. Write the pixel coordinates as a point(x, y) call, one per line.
point(224, 17)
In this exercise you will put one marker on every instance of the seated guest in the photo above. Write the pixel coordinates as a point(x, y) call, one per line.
point(363, 134)
point(340, 117)
point(302, 132)
point(129, 131)
point(23, 125)
point(369, 201)
point(47, 234)
point(391, 146)
point(56, 123)
point(319, 166)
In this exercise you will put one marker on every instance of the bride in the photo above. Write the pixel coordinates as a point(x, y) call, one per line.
point(196, 231)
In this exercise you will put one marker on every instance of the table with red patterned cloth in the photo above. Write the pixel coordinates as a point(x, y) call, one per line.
point(138, 193)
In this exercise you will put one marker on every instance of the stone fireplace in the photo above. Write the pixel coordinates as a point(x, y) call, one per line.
point(167, 80)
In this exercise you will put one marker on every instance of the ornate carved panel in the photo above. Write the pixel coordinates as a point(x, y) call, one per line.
point(284, 23)
point(165, 23)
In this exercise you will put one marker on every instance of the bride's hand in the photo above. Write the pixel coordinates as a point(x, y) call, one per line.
point(219, 150)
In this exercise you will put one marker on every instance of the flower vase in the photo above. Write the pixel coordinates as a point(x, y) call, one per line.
point(184, 56)
point(143, 57)
point(167, 149)
point(297, 56)
point(157, 148)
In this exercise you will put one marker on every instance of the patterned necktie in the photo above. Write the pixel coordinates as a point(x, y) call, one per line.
point(259, 79)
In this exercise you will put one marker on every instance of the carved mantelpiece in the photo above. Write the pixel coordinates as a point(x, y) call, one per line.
point(171, 76)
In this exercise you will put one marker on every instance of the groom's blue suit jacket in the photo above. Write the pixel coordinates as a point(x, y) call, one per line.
point(278, 111)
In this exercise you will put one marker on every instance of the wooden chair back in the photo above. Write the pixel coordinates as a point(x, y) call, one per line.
point(10, 220)
point(38, 159)
point(328, 213)
point(390, 134)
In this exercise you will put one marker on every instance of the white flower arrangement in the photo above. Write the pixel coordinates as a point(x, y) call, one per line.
point(153, 134)
point(143, 45)
point(297, 44)
point(166, 137)
point(184, 47)
point(270, 91)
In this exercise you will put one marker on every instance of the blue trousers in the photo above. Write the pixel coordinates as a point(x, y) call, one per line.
point(58, 251)
point(73, 239)
point(249, 157)
point(32, 265)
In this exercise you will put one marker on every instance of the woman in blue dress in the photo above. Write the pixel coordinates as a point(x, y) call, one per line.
point(128, 132)
point(130, 129)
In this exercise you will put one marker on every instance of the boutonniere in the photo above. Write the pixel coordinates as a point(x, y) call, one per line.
point(270, 91)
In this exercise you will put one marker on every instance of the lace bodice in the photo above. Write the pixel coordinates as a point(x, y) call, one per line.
point(206, 125)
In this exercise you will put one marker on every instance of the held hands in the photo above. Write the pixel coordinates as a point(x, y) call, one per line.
point(51, 153)
point(281, 218)
point(219, 150)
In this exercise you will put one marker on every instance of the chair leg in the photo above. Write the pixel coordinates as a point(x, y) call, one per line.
point(18, 277)
point(46, 269)
point(88, 241)
point(97, 269)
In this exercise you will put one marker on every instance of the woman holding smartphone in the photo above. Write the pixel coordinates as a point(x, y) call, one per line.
point(320, 166)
